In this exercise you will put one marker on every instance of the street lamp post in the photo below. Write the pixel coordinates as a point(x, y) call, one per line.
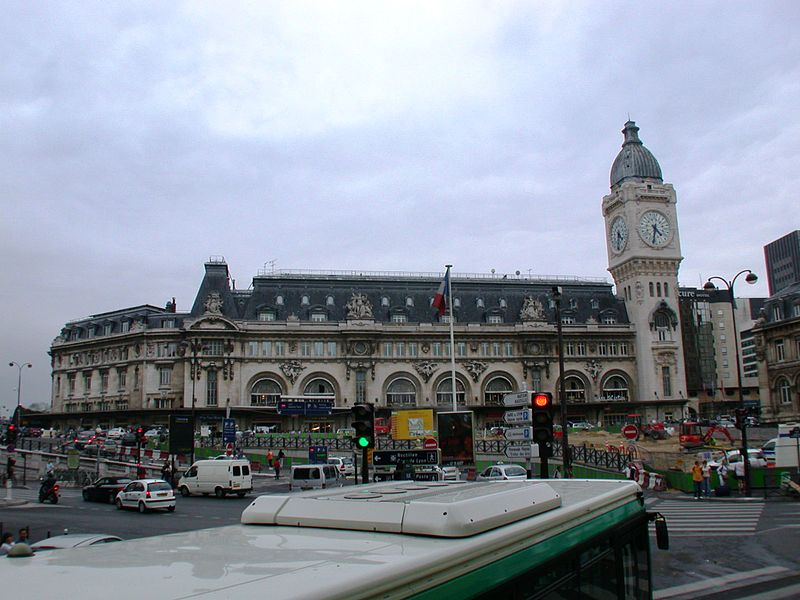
point(19, 385)
point(566, 459)
point(195, 348)
point(750, 278)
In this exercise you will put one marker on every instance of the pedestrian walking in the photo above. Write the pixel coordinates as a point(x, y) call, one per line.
point(706, 470)
point(697, 480)
point(277, 466)
point(722, 473)
point(166, 472)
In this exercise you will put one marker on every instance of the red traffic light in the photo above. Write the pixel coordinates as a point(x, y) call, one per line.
point(542, 400)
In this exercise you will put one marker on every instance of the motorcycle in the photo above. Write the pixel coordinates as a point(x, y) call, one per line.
point(48, 492)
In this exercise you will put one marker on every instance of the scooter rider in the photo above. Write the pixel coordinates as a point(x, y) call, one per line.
point(48, 483)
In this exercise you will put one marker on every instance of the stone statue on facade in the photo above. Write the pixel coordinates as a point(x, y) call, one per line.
point(292, 369)
point(426, 368)
point(475, 368)
point(213, 304)
point(359, 307)
point(532, 310)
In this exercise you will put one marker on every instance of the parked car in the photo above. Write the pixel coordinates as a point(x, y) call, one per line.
point(757, 458)
point(116, 433)
point(581, 425)
point(500, 472)
point(344, 464)
point(152, 434)
point(105, 489)
point(306, 477)
point(146, 494)
point(74, 540)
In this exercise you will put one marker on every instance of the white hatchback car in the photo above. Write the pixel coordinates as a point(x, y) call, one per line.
point(344, 464)
point(500, 472)
point(146, 494)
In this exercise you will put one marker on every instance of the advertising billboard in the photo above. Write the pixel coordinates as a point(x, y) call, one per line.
point(412, 424)
point(456, 437)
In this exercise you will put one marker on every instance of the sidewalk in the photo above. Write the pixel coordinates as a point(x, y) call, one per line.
point(5, 503)
point(673, 494)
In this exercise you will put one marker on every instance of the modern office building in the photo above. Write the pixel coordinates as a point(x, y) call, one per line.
point(782, 258)
point(375, 337)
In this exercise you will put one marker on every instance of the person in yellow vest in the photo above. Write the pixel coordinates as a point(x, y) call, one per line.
point(697, 480)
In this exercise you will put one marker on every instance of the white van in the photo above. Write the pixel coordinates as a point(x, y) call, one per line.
point(306, 477)
point(219, 477)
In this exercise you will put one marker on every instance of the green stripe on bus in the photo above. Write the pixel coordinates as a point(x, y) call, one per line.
point(490, 576)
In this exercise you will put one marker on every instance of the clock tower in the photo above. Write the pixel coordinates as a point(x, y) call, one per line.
point(644, 254)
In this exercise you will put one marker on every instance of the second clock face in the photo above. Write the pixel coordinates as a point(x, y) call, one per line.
point(619, 234)
point(654, 228)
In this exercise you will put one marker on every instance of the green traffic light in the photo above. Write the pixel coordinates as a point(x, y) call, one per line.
point(363, 442)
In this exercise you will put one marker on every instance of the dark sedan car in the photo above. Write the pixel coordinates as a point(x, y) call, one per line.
point(105, 489)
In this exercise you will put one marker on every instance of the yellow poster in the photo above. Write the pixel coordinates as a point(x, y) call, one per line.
point(412, 424)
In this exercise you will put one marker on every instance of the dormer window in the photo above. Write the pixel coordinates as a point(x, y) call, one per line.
point(385, 301)
point(266, 315)
point(457, 302)
point(479, 302)
point(304, 301)
point(410, 302)
point(595, 304)
point(329, 301)
point(502, 302)
point(108, 328)
point(494, 319)
point(279, 300)
point(124, 327)
point(319, 317)
point(573, 303)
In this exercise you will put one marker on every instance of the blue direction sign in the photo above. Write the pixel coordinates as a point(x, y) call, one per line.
point(408, 457)
point(228, 431)
point(291, 407)
point(317, 454)
point(318, 408)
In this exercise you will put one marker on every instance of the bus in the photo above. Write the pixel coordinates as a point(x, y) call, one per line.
point(529, 539)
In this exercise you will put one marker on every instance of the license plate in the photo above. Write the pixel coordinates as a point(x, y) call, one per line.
point(235, 485)
point(163, 494)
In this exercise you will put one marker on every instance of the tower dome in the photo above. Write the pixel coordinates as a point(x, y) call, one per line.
point(634, 160)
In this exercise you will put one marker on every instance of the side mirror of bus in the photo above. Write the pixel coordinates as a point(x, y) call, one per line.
point(662, 535)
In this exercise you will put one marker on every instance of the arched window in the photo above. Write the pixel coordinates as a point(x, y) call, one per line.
point(574, 389)
point(784, 391)
point(319, 387)
point(662, 326)
point(265, 392)
point(495, 390)
point(651, 289)
point(615, 388)
point(444, 393)
point(401, 393)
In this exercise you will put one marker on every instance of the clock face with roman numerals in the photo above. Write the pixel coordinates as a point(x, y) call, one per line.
point(619, 234)
point(655, 229)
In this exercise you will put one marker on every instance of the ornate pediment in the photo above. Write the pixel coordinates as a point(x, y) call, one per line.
point(532, 310)
point(426, 368)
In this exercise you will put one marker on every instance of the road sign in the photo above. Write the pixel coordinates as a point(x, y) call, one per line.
point(318, 408)
point(229, 449)
point(228, 431)
point(519, 434)
point(430, 444)
point(73, 459)
point(409, 457)
point(630, 431)
point(291, 407)
point(517, 416)
point(522, 451)
point(317, 454)
point(517, 399)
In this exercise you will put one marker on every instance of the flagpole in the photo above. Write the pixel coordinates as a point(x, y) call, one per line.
point(452, 342)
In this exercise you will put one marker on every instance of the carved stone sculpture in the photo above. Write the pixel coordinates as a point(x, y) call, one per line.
point(359, 307)
point(292, 369)
point(532, 310)
point(426, 368)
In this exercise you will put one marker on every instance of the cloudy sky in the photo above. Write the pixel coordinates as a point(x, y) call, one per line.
point(140, 138)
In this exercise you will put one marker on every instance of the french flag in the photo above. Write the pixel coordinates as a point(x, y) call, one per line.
point(440, 299)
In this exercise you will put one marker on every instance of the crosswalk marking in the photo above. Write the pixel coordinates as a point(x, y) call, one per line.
point(688, 518)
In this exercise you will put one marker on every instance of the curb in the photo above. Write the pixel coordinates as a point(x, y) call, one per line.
point(11, 503)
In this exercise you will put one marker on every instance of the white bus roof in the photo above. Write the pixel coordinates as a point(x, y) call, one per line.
point(286, 561)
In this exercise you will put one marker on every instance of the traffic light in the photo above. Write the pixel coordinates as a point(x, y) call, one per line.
point(364, 424)
point(542, 417)
point(740, 415)
point(11, 434)
point(140, 435)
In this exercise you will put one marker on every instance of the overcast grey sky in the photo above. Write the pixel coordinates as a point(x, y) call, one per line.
point(140, 138)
